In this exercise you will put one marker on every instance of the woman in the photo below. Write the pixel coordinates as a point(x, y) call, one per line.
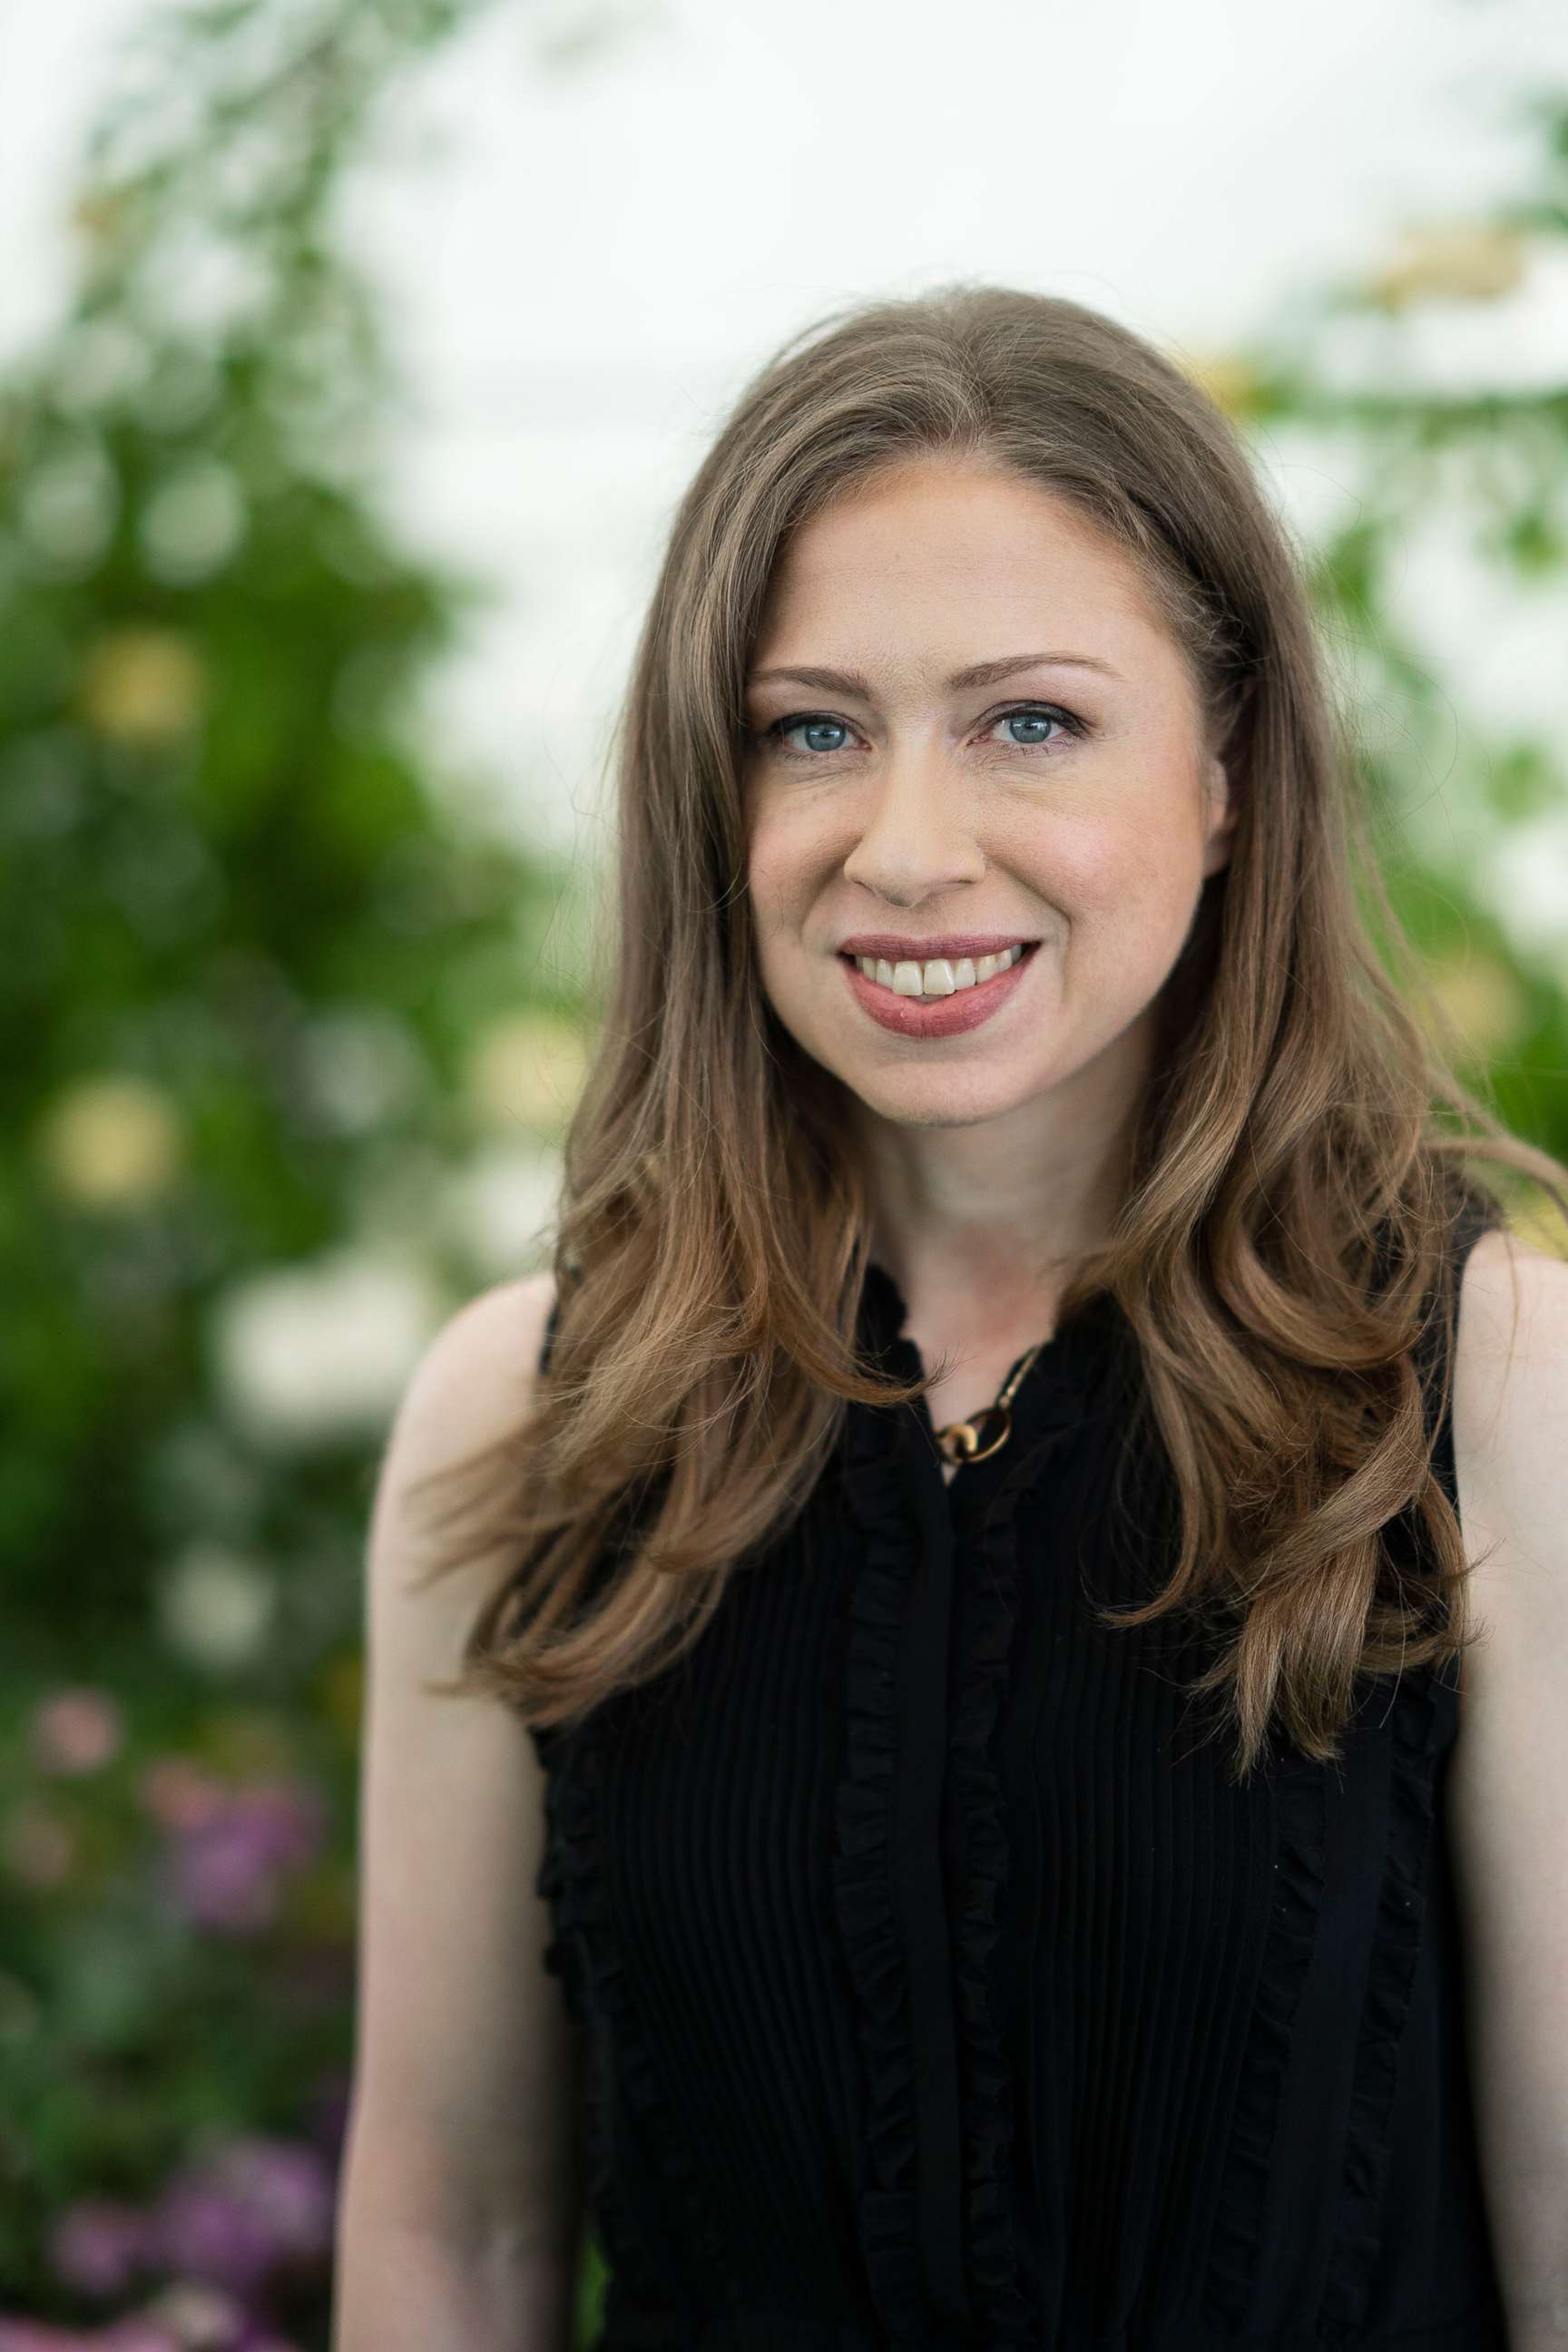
point(967, 1546)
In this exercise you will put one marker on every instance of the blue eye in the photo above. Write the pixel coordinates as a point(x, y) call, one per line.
point(1032, 714)
point(1027, 719)
point(782, 728)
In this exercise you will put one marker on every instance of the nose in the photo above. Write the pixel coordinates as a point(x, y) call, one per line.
point(919, 837)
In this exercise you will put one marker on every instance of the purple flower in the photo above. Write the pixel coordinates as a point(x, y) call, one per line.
point(220, 1877)
point(285, 1818)
point(248, 2206)
point(224, 1871)
point(99, 2244)
point(204, 2228)
point(287, 2185)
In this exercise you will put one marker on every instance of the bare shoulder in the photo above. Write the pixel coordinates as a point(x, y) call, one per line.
point(472, 1386)
point(1510, 1424)
point(476, 1375)
point(1506, 1276)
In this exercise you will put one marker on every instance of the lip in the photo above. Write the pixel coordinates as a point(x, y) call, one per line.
point(951, 944)
point(946, 1016)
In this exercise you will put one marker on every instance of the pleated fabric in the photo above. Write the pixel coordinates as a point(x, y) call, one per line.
point(940, 1991)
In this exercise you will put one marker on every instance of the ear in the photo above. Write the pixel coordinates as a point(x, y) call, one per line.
point(1222, 812)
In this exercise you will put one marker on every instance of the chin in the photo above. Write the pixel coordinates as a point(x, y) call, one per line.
point(948, 1098)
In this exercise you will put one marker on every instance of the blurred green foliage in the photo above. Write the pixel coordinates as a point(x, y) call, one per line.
point(271, 989)
point(274, 987)
point(1344, 378)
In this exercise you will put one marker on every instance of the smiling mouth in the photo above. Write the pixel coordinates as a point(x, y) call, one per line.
point(940, 976)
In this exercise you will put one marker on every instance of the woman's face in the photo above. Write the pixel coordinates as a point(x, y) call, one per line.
point(1066, 804)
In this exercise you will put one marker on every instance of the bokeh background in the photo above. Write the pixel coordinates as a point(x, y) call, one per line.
point(353, 353)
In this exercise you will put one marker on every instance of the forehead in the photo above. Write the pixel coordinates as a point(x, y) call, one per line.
point(934, 552)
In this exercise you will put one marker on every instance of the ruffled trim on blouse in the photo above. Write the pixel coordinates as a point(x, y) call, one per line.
point(584, 1954)
point(1005, 2307)
point(862, 1883)
point(551, 1875)
point(877, 1494)
point(1417, 1729)
point(1301, 1814)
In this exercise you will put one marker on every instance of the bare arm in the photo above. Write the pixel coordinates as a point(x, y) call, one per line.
point(1510, 1767)
point(460, 2209)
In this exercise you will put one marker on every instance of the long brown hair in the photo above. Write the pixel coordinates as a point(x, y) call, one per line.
point(1283, 1243)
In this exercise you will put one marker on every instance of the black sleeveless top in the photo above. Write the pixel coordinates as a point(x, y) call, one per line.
point(938, 1988)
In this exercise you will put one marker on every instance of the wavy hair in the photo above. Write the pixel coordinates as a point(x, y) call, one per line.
point(1282, 1248)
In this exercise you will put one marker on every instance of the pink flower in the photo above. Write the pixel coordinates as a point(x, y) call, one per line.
point(178, 1794)
point(97, 2246)
point(77, 1730)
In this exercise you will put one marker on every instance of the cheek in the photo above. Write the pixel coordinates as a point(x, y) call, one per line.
point(772, 889)
point(783, 866)
point(1128, 892)
point(1145, 856)
point(768, 892)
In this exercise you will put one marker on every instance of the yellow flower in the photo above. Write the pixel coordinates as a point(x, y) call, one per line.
point(1458, 263)
point(142, 685)
point(1482, 998)
point(527, 1069)
point(1231, 383)
point(112, 1142)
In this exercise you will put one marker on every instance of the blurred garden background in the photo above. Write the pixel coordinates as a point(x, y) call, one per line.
point(295, 976)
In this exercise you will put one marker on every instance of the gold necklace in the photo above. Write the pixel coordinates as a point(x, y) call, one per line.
point(964, 1441)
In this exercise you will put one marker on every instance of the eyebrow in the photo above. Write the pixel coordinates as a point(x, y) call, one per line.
point(985, 673)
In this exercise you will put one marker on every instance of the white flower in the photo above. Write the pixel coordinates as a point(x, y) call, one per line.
point(194, 522)
point(363, 1064)
point(67, 509)
point(215, 1606)
point(501, 1209)
point(1526, 880)
point(320, 1353)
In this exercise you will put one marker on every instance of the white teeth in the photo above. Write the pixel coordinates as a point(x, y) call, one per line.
point(938, 976)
